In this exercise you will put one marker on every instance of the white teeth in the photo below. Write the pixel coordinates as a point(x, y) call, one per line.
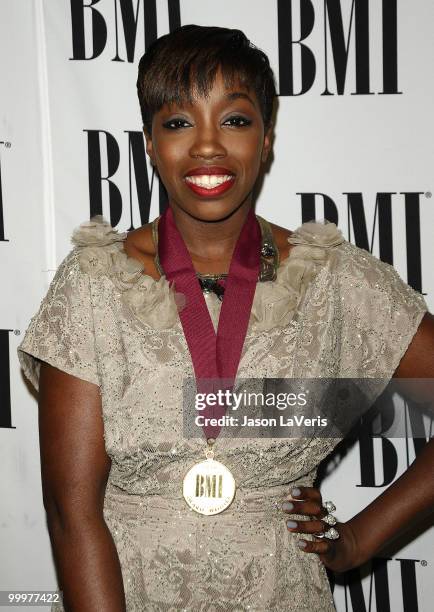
point(209, 181)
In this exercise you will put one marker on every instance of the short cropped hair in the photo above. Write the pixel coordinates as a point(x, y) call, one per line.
point(184, 63)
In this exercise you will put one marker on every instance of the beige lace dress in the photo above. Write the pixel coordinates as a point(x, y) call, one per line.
point(333, 311)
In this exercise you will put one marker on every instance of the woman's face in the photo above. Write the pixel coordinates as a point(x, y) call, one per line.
point(208, 154)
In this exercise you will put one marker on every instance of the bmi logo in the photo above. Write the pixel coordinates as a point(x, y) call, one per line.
point(209, 485)
point(375, 586)
point(379, 453)
point(125, 28)
point(343, 28)
point(140, 183)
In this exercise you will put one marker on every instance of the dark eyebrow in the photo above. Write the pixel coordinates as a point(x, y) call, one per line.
point(235, 95)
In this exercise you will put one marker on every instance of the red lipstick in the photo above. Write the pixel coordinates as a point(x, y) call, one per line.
point(209, 181)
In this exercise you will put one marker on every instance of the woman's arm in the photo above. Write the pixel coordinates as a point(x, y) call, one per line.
point(407, 500)
point(75, 468)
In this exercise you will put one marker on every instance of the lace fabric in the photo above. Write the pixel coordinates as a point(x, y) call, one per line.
point(334, 310)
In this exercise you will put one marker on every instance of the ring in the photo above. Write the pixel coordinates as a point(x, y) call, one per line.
point(329, 506)
point(330, 534)
point(330, 520)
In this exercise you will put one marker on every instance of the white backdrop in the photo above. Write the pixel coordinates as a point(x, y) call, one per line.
point(68, 104)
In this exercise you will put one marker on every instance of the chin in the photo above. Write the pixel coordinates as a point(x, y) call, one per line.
point(210, 211)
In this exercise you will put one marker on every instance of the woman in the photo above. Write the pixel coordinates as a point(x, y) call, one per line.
point(124, 323)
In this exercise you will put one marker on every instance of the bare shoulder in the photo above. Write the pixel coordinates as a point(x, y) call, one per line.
point(141, 240)
point(281, 235)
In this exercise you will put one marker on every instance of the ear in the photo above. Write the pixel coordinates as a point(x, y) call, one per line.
point(149, 145)
point(267, 143)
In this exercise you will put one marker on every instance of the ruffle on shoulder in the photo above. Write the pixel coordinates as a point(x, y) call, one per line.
point(277, 301)
point(96, 232)
point(155, 302)
point(318, 234)
point(102, 253)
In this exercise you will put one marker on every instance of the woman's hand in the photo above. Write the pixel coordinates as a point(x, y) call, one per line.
point(338, 555)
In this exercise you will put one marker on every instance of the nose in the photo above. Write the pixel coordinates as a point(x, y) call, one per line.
point(207, 143)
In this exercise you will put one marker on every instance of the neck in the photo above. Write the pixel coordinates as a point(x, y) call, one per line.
point(211, 244)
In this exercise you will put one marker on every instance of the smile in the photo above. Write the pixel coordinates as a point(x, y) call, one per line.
point(209, 182)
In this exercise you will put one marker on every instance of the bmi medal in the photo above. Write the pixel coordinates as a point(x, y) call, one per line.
point(209, 486)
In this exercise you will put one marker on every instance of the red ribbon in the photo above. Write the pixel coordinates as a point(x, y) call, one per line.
point(215, 357)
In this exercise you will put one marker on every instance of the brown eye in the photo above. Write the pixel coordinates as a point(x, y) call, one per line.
point(237, 121)
point(176, 124)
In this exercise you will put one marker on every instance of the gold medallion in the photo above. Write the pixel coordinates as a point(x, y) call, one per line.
point(209, 486)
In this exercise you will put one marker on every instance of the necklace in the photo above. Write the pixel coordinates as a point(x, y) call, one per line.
point(216, 283)
point(209, 486)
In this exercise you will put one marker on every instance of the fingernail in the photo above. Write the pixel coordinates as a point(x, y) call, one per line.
point(291, 524)
point(287, 506)
point(301, 544)
point(295, 492)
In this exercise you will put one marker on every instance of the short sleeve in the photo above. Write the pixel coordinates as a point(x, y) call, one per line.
point(62, 330)
point(380, 314)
